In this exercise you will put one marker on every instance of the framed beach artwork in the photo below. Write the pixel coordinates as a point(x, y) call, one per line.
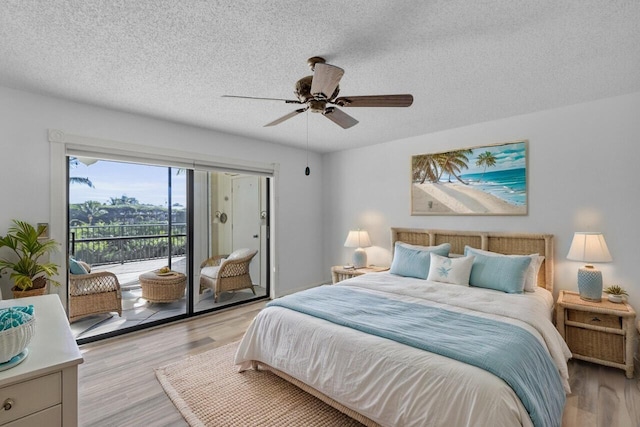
point(483, 180)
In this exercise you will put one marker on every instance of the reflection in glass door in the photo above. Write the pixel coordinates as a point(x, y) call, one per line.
point(235, 263)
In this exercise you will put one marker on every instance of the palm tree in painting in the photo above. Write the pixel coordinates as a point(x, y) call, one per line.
point(425, 166)
point(486, 159)
point(454, 162)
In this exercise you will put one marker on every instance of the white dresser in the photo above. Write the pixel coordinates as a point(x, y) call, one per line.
point(43, 389)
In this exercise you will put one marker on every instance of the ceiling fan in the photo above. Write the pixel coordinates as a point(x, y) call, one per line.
point(318, 93)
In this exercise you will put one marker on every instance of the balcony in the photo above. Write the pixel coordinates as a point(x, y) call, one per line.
point(128, 251)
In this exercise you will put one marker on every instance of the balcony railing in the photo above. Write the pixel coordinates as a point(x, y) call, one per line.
point(111, 244)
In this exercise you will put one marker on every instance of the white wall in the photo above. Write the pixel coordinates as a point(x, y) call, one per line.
point(584, 163)
point(25, 170)
point(581, 164)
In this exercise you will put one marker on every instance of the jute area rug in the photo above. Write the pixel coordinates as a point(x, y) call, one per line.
point(208, 390)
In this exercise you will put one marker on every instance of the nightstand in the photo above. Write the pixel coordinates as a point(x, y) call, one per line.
point(339, 272)
point(599, 332)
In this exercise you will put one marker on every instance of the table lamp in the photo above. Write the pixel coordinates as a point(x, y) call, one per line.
point(358, 239)
point(589, 247)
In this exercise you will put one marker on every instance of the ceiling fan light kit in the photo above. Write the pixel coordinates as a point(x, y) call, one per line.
point(319, 94)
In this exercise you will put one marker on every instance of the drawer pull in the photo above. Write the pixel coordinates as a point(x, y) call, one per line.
point(8, 404)
point(595, 319)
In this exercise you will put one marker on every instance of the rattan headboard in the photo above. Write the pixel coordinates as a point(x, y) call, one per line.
point(504, 243)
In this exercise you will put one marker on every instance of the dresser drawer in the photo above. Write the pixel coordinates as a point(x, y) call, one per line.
point(31, 396)
point(595, 319)
point(51, 417)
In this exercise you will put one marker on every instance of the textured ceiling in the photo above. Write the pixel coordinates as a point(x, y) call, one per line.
point(464, 61)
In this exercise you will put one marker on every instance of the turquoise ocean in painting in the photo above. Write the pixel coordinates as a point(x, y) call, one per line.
point(509, 185)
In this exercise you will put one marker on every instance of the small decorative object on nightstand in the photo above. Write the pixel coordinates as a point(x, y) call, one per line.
point(340, 272)
point(589, 247)
point(615, 293)
point(599, 332)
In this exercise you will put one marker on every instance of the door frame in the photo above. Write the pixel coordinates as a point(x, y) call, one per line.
point(64, 144)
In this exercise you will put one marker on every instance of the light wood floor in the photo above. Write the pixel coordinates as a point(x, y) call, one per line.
point(117, 384)
point(118, 387)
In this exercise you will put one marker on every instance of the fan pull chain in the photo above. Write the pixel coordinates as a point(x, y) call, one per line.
point(307, 171)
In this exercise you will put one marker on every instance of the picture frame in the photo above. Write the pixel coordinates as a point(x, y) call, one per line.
point(481, 180)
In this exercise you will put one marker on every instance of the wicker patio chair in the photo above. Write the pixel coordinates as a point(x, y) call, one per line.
point(93, 293)
point(227, 274)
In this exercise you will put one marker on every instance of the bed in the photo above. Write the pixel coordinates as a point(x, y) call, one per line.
point(391, 349)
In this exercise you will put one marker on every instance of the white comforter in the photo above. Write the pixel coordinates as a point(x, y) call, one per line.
point(394, 384)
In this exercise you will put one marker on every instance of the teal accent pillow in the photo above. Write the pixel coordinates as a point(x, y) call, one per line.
point(506, 274)
point(411, 262)
point(76, 268)
point(531, 276)
point(14, 316)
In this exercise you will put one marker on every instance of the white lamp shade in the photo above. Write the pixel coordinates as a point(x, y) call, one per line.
point(589, 247)
point(357, 239)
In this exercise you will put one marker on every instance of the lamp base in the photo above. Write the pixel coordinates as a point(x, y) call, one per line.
point(590, 283)
point(360, 258)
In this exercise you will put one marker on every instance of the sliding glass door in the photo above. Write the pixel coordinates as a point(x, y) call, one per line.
point(127, 221)
point(148, 244)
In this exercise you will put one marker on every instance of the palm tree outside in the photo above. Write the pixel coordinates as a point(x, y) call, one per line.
point(73, 162)
point(93, 210)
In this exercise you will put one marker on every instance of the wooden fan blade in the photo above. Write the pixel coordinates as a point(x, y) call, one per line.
point(375, 101)
point(286, 117)
point(339, 117)
point(288, 101)
point(325, 80)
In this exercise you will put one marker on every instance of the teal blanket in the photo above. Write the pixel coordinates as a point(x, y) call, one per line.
point(507, 351)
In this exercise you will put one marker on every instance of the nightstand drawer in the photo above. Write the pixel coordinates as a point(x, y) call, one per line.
point(595, 319)
point(596, 344)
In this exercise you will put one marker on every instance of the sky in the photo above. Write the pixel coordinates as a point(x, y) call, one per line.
point(148, 184)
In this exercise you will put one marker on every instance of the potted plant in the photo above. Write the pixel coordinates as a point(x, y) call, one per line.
point(616, 293)
point(28, 244)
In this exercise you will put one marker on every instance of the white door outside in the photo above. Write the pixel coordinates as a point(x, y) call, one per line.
point(246, 219)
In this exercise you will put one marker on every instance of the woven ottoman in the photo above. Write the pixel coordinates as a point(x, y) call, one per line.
point(166, 287)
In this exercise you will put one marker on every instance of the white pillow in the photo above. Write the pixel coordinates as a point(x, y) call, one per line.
point(450, 270)
point(441, 246)
point(531, 280)
point(531, 275)
point(211, 271)
point(239, 253)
